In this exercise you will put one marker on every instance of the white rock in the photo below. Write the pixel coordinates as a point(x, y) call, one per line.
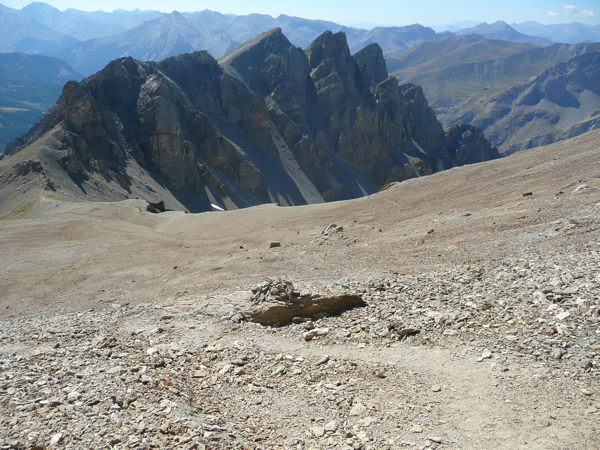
point(323, 360)
point(56, 439)
point(331, 426)
point(309, 335)
point(367, 421)
point(318, 431)
point(225, 369)
point(362, 435)
point(278, 371)
point(73, 396)
point(357, 409)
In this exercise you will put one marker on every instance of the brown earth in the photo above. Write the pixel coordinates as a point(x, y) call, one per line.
point(63, 263)
point(57, 254)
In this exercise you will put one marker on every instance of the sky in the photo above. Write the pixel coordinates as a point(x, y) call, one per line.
point(380, 12)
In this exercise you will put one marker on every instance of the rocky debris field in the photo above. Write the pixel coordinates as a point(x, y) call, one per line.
point(460, 310)
point(495, 354)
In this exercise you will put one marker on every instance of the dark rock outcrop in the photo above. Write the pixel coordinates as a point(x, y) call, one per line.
point(268, 122)
point(157, 207)
point(371, 63)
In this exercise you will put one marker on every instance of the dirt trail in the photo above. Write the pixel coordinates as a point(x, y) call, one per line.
point(493, 412)
point(471, 402)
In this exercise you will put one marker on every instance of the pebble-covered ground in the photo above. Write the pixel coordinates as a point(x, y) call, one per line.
point(480, 328)
point(420, 366)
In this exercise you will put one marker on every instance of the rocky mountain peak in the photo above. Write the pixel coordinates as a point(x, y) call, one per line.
point(328, 45)
point(198, 66)
point(268, 122)
point(265, 61)
point(41, 8)
point(335, 73)
point(176, 16)
point(272, 67)
point(371, 62)
point(199, 75)
point(263, 45)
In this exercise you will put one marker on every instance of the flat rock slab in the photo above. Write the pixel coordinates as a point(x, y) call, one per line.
point(271, 312)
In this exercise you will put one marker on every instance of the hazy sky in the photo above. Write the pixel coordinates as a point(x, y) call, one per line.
point(384, 12)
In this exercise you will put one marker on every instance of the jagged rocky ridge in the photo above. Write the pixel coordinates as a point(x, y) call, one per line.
point(268, 122)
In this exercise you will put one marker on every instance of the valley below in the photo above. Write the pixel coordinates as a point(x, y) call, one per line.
point(480, 326)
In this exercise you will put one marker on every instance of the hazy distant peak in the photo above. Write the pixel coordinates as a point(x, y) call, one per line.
point(503, 31)
point(411, 27)
point(570, 33)
point(40, 6)
point(177, 15)
point(484, 26)
point(22, 33)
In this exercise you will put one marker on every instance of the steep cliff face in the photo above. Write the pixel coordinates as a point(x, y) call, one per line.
point(341, 114)
point(268, 122)
point(152, 113)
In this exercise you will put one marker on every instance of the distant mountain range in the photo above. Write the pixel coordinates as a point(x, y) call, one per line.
point(477, 62)
point(562, 102)
point(29, 85)
point(19, 33)
point(84, 25)
point(471, 79)
point(54, 29)
point(570, 33)
point(89, 40)
point(457, 67)
point(176, 33)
